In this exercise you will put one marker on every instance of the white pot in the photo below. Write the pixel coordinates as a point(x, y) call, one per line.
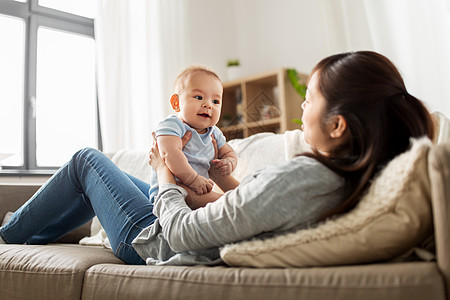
point(233, 72)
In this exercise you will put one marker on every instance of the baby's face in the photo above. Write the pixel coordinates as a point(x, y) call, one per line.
point(201, 101)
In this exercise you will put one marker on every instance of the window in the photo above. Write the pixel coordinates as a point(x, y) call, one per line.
point(48, 102)
point(12, 33)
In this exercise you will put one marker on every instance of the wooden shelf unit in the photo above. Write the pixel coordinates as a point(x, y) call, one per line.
point(265, 102)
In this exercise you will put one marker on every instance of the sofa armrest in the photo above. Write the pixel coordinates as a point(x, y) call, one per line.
point(12, 196)
point(439, 172)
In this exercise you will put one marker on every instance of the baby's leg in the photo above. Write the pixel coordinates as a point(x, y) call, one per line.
point(194, 200)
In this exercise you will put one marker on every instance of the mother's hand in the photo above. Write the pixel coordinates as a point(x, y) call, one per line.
point(214, 172)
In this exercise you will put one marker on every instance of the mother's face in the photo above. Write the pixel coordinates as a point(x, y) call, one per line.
point(314, 108)
point(321, 133)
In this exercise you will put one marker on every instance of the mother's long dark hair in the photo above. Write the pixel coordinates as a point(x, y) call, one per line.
point(368, 91)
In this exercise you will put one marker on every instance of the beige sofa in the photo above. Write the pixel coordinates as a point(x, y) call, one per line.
point(67, 270)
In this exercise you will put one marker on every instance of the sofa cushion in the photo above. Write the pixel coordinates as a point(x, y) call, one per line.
point(47, 272)
point(392, 217)
point(133, 162)
point(383, 281)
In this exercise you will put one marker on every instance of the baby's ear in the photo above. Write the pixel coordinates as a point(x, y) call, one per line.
point(175, 102)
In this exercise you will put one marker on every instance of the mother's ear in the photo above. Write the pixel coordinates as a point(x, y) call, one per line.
point(338, 126)
point(174, 101)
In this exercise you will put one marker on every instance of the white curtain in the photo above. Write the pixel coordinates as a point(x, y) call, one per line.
point(415, 35)
point(140, 51)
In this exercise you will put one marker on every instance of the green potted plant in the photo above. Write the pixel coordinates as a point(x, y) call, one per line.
point(233, 69)
point(299, 87)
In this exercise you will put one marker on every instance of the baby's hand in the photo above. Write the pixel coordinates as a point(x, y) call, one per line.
point(201, 185)
point(224, 166)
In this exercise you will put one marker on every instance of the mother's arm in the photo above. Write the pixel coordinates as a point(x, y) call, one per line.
point(256, 206)
point(276, 199)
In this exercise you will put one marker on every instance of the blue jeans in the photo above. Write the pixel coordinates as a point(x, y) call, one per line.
point(89, 184)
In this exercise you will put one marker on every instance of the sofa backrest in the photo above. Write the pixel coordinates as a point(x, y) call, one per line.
point(12, 196)
point(439, 174)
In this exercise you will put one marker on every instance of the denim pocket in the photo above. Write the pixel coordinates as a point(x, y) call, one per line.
point(127, 253)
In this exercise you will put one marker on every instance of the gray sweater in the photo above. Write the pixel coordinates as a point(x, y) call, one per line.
point(277, 199)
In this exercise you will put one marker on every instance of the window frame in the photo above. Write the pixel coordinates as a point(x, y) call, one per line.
point(34, 17)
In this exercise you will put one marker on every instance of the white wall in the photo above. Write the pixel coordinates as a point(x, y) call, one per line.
point(283, 33)
point(263, 34)
point(211, 33)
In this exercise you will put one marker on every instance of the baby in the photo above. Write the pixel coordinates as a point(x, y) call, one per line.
point(197, 102)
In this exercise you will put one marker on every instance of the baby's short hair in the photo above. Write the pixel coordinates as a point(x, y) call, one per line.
point(179, 82)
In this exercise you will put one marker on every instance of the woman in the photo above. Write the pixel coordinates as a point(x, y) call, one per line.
point(357, 117)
